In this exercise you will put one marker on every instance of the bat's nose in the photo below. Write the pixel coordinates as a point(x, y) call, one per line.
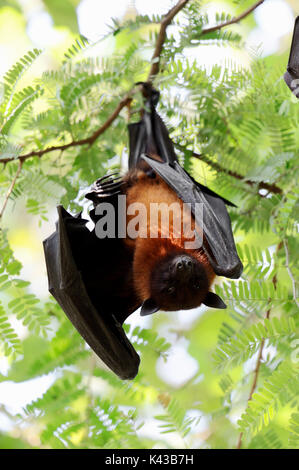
point(184, 267)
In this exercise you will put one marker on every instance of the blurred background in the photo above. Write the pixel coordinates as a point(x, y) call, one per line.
point(52, 25)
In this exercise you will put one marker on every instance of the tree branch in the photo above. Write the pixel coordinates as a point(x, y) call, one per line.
point(125, 101)
point(162, 36)
point(88, 141)
point(233, 20)
point(260, 354)
point(10, 189)
point(267, 186)
point(255, 377)
point(168, 19)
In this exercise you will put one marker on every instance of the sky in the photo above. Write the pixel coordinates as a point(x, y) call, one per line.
point(274, 18)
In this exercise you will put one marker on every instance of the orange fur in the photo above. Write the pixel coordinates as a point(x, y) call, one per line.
point(150, 251)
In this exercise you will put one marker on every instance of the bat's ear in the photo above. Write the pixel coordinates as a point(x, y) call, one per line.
point(213, 300)
point(148, 307)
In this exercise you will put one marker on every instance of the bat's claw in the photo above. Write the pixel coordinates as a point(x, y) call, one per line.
point(109, 186)
point(106, 177)
point(106, 187)
point(107, 181)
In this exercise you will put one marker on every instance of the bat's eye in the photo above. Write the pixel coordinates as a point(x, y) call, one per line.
point(170, 290)
point(197, 286)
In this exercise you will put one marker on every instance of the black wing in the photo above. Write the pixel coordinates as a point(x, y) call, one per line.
point(292, 74)
point(79, 269)
point(150, 134)
point(219, 245)
point(150, 137)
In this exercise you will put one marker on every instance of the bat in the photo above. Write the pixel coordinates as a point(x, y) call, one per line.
point(100, 280)
point(291, 76)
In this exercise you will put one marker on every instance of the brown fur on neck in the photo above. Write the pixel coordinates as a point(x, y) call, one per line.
point(149, 252)
point(152, 251)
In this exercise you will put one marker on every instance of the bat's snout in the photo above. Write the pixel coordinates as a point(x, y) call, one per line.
point(184, 266)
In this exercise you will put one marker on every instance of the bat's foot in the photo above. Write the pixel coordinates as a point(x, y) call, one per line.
point(105, 187)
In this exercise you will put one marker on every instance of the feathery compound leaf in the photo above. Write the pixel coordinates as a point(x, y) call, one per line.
point(10, 343)
point(226, 384)
point(78, 87)
point(60, 431)
point(133, 24)
point(58, 397)
point(25, 308)
point(13, 76)
point(108, 424)
point(7, 149)
point(143, 339)
point(65, 348)
point(266, 440)
point(257, 263)
point(175, 419)
point(239, 291)
point(8, 263)
point(264, 404)
point(235, 348)
point(294, 434)
point(19, 103)
point(16, 71)
point(38, 187)
point(79, 46)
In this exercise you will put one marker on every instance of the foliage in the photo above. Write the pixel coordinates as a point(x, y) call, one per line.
point(242, 121)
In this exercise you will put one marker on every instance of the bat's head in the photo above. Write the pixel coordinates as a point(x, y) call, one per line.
point(179, 282)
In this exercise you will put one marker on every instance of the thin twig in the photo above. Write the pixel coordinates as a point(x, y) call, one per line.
point(260, 354)
point(285, 244)
point(162, 36)
point(125, 101)
point(255, 377)
point(261, 185)
point(87, 141)
point(233, 20)
point(10, 189)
